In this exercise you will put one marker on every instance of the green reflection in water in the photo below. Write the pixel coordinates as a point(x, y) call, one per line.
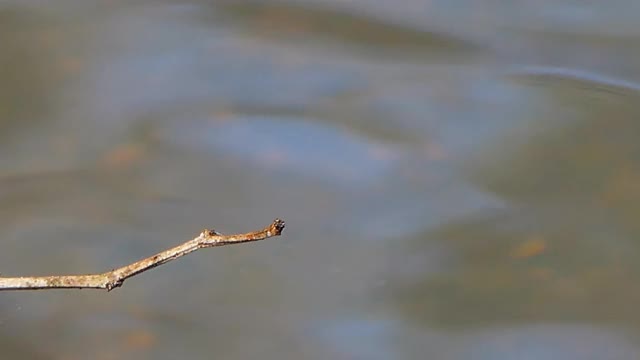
point(342, 27)
point(565, 249)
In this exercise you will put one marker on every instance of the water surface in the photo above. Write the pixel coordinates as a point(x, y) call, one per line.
point(459, 179)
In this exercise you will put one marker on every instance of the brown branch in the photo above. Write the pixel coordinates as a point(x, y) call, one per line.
point(115, 278)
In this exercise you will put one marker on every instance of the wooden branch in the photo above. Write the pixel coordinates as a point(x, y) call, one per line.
point(115, 278)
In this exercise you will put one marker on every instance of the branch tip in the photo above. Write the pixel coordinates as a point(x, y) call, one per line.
point(276, 227)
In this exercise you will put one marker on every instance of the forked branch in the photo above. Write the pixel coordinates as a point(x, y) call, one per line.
point(115, 278)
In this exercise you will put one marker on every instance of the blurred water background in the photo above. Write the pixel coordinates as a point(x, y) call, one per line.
point(460, 179)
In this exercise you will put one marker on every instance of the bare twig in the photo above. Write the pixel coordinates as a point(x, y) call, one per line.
point(115, 278)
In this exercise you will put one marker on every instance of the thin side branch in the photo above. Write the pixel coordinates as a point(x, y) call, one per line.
point(115, 278)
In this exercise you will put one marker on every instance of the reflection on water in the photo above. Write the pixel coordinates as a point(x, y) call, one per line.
point(588, 81)
point(304, 22)
point(299, 146)
point(442, 199)
point(28, 97)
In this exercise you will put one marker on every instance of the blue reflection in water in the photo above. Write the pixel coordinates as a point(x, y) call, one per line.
point(550, 342)
point(382, 339)
point(328, 153)
point(360, 339)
